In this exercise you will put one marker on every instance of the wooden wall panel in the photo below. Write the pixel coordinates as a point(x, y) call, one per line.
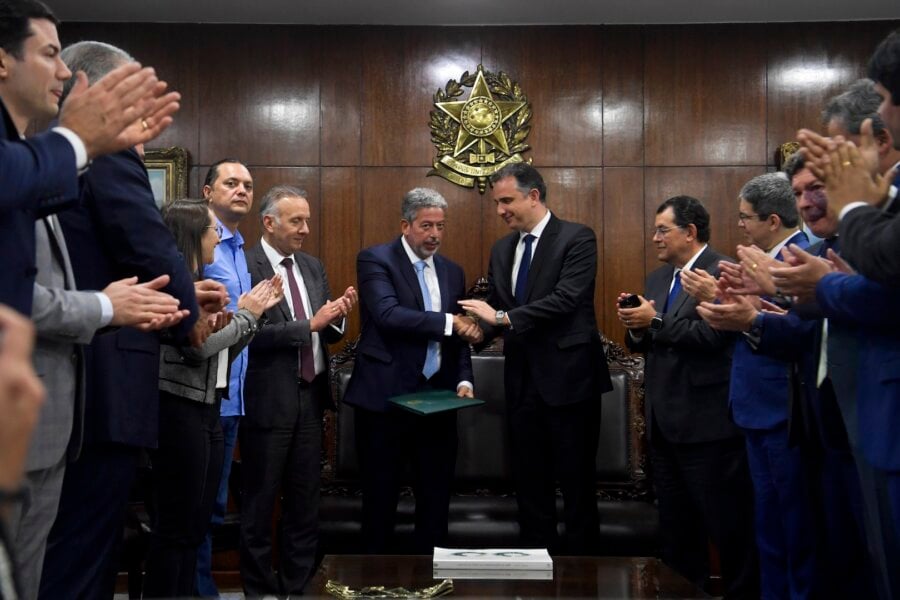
point(560, 70)
point(339, 232)
point(341, 95)
point(402, 68)
point(259, 93)
point(807, 67)
point(716, 187)
point(623, 96)
point(625, 223)
point(701, 108)
point(175, 61)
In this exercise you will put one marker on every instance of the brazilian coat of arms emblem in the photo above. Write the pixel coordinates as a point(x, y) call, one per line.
point(478, 136)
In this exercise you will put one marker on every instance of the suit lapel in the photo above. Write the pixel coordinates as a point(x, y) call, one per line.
point(265, 269)
point(703, 261)
point(440, 269)
point(544, 249)
point(506, 255)
point(313, 290)
point(409, 272)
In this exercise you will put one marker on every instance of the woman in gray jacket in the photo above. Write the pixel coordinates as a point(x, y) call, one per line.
point(188, 460)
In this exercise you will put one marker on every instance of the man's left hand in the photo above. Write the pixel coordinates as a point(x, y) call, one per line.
point(737, 315)
point(465, 392)
point(800, 279)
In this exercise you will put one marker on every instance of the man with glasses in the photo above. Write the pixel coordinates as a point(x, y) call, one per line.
point(699, 462)
point(229, 190)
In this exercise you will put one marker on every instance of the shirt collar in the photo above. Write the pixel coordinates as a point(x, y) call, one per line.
point(689, 264)
point(227, 236)
point(413, 257)
point(275, 257)
point(538, 229)
point(777, 248)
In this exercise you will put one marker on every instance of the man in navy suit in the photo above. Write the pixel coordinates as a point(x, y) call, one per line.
point(541, 300)
point(39, 175)
point(413, 338)
point(116, 230)
point(759, 397)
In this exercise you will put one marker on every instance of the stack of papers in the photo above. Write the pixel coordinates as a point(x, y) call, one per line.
point(493, 563)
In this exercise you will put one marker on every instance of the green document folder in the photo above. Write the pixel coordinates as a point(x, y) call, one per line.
point(433, 401)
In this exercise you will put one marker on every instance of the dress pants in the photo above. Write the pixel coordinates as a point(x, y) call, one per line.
point(785, 525)
point(204, 585)
point(704, 493)
point(550, 444)
point(285, 462)
point(386, 443)
point(186, 469)
point(83, 550)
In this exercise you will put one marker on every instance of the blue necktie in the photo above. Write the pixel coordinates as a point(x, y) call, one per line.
point(431, 354)
point(522, 277)
point(673, 293)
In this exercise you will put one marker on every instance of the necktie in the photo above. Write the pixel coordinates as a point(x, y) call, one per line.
point(673, 293)
point(307, 363)
point(522, 277)
point(431, 353)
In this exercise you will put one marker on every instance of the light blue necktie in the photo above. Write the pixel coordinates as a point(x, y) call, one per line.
point(431, 354)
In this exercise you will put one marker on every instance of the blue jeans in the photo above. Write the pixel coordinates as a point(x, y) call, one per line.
point(204, 583)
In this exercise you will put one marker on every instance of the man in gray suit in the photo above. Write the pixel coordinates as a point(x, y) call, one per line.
point(64, 319)
point(286, 391)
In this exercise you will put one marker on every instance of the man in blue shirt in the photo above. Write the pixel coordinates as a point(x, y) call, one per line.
point(229, 190)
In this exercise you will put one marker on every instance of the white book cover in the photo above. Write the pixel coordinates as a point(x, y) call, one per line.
point(492, 574)
point(532, 559)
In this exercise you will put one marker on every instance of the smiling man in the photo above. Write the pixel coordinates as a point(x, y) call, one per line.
point(541, 299)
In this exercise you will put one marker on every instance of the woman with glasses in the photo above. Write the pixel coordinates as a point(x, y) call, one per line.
point(188, 460)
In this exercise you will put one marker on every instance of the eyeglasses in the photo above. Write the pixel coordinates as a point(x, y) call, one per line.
point(662, 231)
point(743, 218)
point(218, 228)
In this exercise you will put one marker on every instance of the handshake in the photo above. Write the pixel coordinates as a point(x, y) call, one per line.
point(467, 328)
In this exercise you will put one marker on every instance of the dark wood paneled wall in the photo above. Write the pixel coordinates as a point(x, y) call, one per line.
point(624, 117)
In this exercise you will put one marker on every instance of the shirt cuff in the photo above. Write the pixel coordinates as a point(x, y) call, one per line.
point(448, 324)
point(81, 157)
point(850, 207)
point(339, 327)
point(106, 309)
point(465, 383)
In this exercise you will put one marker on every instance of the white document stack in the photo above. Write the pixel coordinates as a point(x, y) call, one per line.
point(492, 563)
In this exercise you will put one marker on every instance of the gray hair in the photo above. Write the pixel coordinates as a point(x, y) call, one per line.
point(771, 194)
point(418, 198)
point(269, 204)
point(96, 59)
point(852, 107)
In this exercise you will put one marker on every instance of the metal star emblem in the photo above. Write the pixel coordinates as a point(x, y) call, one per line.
point(480, 118)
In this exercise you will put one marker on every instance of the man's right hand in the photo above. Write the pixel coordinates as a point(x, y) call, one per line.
point(128, 106)
point(143, 306)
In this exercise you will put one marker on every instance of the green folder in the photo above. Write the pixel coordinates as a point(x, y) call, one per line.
point(433, 401)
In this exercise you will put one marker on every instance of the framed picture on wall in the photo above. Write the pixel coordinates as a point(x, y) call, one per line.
point(168, 170)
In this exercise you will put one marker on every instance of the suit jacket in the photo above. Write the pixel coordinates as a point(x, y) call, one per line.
point(874, 310)
point(273, 368)
point(759, 395)
point(870, 238)
point(117, 232)
point(554, 333)
point(688, 364)
point(64, 319)
point(38, 178)
point(396, 328)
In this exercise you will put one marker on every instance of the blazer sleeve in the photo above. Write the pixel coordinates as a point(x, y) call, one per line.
point(870, 241)
point(65, 316)
point(786, 337)
point(134, 232)
point(38, 173)
point(377, 290)
point(857, 299)
point(574, 282)
point(235, 335)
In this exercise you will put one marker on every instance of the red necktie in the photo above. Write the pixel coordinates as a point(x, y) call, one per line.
point(307, 363)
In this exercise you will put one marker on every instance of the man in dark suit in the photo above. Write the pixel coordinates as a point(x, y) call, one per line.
point(115, 231)
point(698, 456)
point(412, 340)
point(286, 391)
point(39, 175)
point(541, 298)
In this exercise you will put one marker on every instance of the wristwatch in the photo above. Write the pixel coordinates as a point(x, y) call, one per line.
point(656, 322)
point(499, 316)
